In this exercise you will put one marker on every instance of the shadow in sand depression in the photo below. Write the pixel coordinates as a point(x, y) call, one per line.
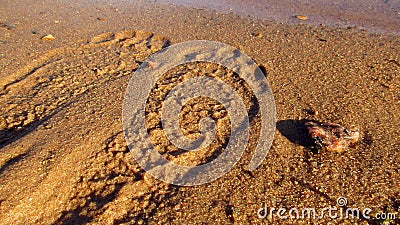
point(295, 131)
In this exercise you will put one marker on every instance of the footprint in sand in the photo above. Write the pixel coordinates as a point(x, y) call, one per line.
point(45, 160)
point(61, 142)
point(61, 76)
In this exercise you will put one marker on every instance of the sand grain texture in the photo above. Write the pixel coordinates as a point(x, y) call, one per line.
point(63, 158)
point(72, 98)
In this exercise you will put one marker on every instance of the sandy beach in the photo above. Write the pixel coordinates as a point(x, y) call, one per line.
point(64, 159)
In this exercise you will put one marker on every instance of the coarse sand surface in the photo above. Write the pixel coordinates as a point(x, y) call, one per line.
point(64, 159)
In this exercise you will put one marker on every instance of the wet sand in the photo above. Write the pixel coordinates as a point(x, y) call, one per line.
point(374, 15)
point(63, 157)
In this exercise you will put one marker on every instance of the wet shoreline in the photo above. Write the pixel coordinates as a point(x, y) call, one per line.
point(377, 16)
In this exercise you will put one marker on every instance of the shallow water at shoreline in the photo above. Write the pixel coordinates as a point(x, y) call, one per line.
point(381, 16)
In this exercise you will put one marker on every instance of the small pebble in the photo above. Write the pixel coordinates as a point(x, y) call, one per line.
point(312, 112)
point(48, 37)
point(257, 35)
point(314, 164)
point(301, 17)
point(8, 26)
